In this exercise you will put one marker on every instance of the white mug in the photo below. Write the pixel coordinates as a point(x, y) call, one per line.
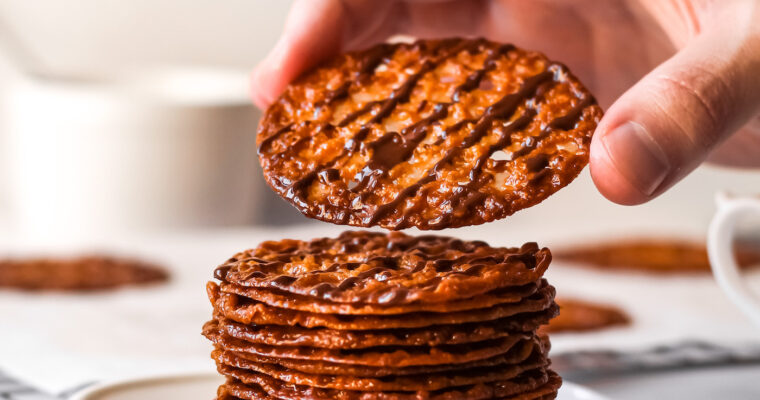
point(157, 150)
point(720, 241)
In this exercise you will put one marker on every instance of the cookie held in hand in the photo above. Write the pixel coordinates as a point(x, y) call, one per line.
point(433, 134)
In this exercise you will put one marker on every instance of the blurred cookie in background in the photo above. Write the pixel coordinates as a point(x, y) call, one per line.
point(653, 255)
point(584, 316)
point(86, 273)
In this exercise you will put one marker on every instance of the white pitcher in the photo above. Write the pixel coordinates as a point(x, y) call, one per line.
point(731, 211)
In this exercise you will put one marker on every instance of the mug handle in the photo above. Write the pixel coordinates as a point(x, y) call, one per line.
point(720, 239)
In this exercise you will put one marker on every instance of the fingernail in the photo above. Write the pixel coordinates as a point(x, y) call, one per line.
point(637, 156)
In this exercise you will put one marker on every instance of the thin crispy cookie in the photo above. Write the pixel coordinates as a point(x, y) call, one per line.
point(386, 269)
point(434, 134)
point(247, 311)
point(518, 353)
point(281, 299)
point(533, 385)
point(426, 381)
point(276, 335)
point(398, 357)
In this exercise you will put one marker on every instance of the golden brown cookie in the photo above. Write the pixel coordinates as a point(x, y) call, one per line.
point(530, 385)
point(434, 134)
point(281, 299)
point(546, 391)
point(583, 316)
point(276, 335)
point(427, 381)
point(386, 269)
point(77, 274)
point(379, 356)
point(247, 311)
point(516, 354)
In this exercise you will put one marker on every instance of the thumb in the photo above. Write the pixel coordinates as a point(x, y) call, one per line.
point(670, 121)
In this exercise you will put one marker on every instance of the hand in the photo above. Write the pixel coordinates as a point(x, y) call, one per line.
point(681, 78)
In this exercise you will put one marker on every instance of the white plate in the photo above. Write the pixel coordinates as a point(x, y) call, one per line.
point(202, 386)
point(572, 391)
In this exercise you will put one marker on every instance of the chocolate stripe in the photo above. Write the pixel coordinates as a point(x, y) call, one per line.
point(565, 122)
point(267, 141)
point(295, 191)
point(502, 109)
point(475, 172)
point(474, 79)
point(393, 148)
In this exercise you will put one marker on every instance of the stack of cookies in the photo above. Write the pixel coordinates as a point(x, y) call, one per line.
point(383, 316)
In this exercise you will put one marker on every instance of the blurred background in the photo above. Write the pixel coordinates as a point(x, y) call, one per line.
point(125, 127)
point(133, 115)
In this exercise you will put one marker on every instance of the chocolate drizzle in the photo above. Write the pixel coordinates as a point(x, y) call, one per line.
point(502, 109)
point(339, 93)
point(391, 148)
point(358, 113)
point(371, 60)
point(394, 148)
point(565, 122)
point(267, 141)
point(367, 64)
point(401, 95)
point(474, 79)
point(466, 193)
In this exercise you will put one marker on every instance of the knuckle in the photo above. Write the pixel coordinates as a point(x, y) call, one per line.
point(704, 98)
